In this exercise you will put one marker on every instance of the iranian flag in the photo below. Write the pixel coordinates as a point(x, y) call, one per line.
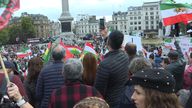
point(174, 13)
point(89, 48)
point(23, 54)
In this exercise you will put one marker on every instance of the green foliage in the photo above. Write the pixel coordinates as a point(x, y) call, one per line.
point(3, 3)
point(14, 32)
point(27, 29)
point(4, 36)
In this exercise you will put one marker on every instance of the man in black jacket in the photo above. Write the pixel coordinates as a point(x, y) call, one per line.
point(176, 66)
point(112, 73)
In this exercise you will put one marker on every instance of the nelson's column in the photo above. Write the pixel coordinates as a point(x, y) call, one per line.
point(66, 20)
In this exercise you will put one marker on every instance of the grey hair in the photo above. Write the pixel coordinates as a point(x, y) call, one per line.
point(73, 69)
point(58, 53)
point(139, 63)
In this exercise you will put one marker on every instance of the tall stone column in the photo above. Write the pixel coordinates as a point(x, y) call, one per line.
point(66, 19)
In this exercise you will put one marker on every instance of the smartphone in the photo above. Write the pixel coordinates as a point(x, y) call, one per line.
point(102, 24)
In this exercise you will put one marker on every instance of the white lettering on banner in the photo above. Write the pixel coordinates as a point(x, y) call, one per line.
point(133, 39)
point(184, 42)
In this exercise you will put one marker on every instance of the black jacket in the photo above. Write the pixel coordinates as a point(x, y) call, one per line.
point(112, 75)
point(176, 68)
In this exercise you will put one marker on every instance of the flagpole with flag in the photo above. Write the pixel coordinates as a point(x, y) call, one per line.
point(4, 69)
point(173, 13)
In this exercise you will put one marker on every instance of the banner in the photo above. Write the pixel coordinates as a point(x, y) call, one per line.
point(133, 39)
point(173, 13)
point(184, 42)
point(4, 3)
point(12, 6)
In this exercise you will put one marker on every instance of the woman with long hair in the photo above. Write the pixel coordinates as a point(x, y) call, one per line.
point(34, 67)
point(90, 68)
point(154, 88)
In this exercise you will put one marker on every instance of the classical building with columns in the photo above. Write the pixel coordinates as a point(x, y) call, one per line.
point(43, 26)
point(140, 20)
point(86, 25)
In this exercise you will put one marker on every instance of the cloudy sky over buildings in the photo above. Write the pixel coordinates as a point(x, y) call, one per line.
point(52, 8)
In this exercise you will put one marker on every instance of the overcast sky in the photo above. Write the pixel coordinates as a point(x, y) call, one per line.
point(53, 8)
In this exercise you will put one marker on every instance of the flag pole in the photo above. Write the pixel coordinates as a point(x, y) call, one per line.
point(4, 69)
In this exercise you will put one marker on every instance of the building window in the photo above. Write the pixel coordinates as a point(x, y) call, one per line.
point(157, 22)
point(139, 22)
point(146, 13)
point(130, 13)
point(139, 17)
point(151, 8)
point(151, 13)
point(125, 27)
point(135, 23)
point(130, 28)
point(146, 18)
point(151, 22)
point(145, 8)
point(157, 17)
point(131, 18)
point(135, 28)
point(152, 27)
point(157, 13)
point(151, 17)
point(131, 23)
point(135, 18)
point(157, 27)
point(139, 28)
point(139, 12)
point(146, 22)
point(147, 27)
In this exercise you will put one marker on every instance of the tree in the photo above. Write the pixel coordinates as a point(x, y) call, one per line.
point(27, 29)
point(14, 32)
point(4, 36)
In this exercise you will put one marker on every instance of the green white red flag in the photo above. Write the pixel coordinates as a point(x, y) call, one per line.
point(11, 7)
point(175, 13)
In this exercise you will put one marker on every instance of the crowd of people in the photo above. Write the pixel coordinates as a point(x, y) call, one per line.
point(123, 78)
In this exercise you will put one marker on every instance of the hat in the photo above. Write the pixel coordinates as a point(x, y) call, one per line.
point(173, 54)
point(8, 64)
point(157, 79)
point(92, 102)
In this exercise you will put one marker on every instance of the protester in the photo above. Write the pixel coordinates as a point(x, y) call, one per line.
point(137, 64)
point(14, 93)
point(92, 102)
point(188, 74)
point(176, 66)
point(131, 50)
point(189, 102)
point(90, 68)
point(112, 73)
point(154, 88)
point(13, 78)
point(151, 59)
point(165, 62)
point(73, 90)
point(34, 67)
point(50, 77)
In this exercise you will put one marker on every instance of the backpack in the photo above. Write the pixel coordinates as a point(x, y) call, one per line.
point(5, 101)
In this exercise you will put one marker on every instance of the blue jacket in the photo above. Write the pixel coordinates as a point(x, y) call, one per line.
point(50, 78)
point(126, 101)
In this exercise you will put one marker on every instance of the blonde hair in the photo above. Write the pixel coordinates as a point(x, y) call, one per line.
point(92, 102)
